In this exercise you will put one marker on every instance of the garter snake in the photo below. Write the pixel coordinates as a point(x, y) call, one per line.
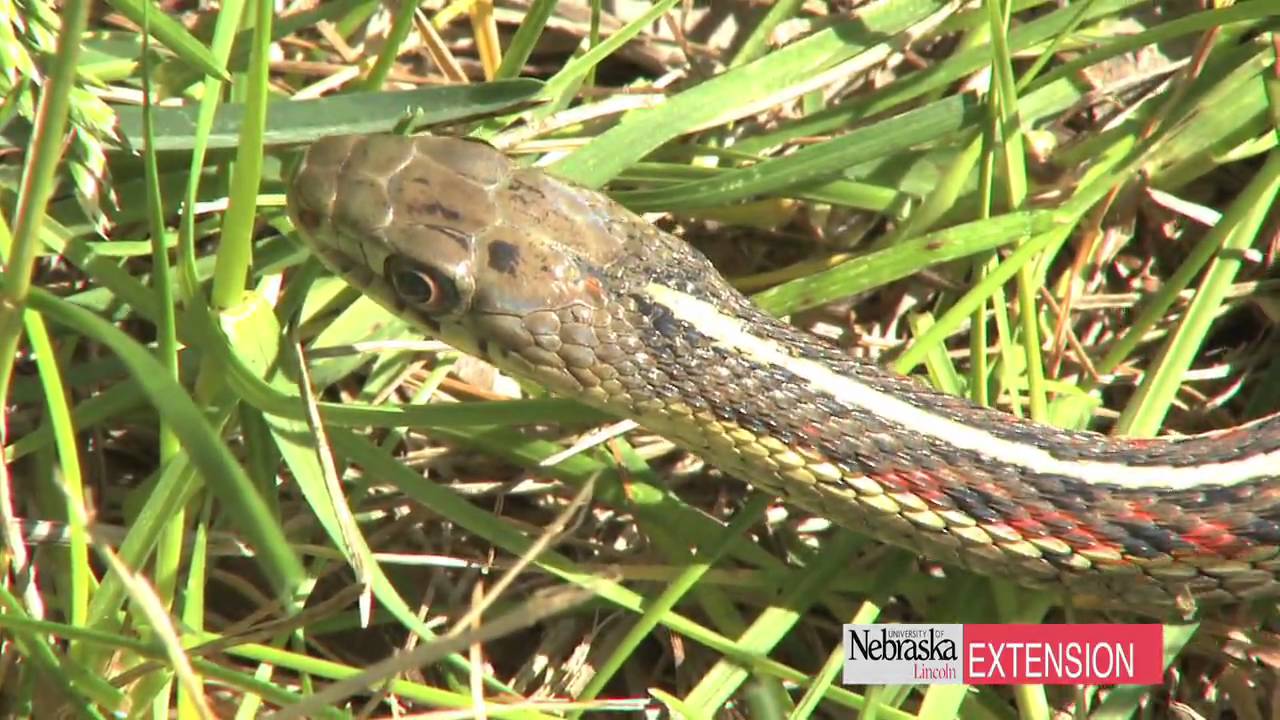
point(562, 286)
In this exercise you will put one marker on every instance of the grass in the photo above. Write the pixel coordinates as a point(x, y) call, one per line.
point(1060, 209)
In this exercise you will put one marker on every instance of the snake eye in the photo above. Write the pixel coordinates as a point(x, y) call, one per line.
point(426, 287)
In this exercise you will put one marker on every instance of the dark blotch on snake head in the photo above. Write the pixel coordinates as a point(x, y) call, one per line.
point(504, 257)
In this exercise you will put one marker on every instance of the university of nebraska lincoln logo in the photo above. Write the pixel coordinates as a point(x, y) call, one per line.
point(903, 654)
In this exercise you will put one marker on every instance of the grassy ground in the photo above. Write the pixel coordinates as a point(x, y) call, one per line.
point(1062, 209)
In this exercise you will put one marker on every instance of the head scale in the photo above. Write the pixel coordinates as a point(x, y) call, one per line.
point(505, 262)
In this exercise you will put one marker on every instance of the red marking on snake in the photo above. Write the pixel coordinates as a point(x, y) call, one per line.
point(1214, 538)
point(1030, 527)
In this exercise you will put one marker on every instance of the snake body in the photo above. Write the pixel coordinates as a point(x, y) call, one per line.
point(562, 286)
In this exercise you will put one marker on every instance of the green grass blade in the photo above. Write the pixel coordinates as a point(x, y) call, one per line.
point(208, 453)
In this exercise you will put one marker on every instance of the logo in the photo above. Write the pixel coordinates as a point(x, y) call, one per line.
point(1078, 654)
point(902, 654)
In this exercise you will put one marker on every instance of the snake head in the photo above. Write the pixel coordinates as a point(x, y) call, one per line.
point(504, 262)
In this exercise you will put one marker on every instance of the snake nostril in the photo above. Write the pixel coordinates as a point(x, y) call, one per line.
point(308, 219)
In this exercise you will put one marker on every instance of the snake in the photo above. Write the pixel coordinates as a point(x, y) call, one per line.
point(562, 286)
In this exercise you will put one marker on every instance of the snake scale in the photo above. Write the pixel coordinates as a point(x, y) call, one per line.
point(562, 286)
